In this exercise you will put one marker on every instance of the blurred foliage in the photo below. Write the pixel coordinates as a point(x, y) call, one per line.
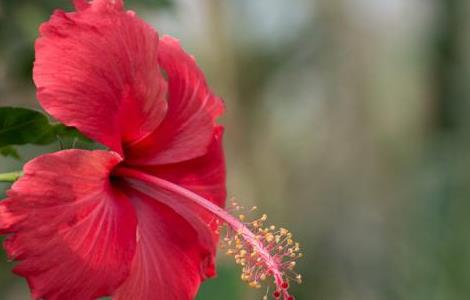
point(350, 127)
point(9, 151)
point(225, 286)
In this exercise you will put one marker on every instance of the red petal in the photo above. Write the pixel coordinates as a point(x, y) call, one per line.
point(72, 233)
point(204, 175)
point(189, 125)
point(97, 69)
point(169, 258)
point(81, 4)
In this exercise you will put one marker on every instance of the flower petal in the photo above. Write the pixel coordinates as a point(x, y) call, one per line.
point(97, 69)
point(81, 4)
point(189, 125)
point(73, 234)
point(203, 175)
point(170, 260)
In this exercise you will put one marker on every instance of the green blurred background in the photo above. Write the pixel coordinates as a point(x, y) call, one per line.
point(347, 122)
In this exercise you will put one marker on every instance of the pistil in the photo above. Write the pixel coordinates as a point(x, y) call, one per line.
point(260, 251)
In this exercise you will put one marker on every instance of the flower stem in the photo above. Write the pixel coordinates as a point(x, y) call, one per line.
point(10, 176)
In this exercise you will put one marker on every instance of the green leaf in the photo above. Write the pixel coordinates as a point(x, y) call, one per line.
point(9, 151)
point(20, 126)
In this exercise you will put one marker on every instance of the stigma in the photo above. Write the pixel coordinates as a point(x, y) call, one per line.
point(267, 254)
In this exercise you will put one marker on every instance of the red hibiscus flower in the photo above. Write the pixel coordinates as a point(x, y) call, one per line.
point(139, 220)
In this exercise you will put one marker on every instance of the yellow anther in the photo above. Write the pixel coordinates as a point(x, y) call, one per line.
point(254, 284)
point(243, 246)
point(269, 237)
